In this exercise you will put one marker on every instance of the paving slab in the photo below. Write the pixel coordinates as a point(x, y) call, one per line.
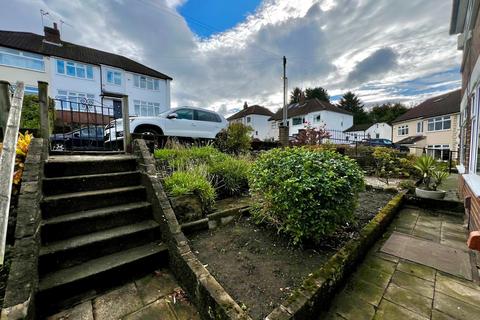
point(391, 311)
point(413, 283)
point(458, 290)
point(117, 303)
point(82, 311)
point(157, 310)
point(417, 270)
point(437, 315)
point(450, 260)
point(409, 300)
point(366, 291)
point(380, 264)
point(351, 307)
point(455, 308)
point(156, 285)
point(373, 276)
point(184, 310)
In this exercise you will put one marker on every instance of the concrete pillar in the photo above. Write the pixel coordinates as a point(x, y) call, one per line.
point(43, 100)
point(283, 136)
point(4, 106)
point(127, 138)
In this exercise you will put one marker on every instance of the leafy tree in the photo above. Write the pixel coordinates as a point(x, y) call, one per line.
point(350, 102)
point(387, 112)
point(295, 95)
point(317, 92)
point(31, 113)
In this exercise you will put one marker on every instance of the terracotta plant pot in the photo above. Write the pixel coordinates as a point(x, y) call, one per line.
point(430, 194)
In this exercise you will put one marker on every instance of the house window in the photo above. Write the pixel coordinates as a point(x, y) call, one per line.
point(144, 82)
point(403, 130)
point(377, 135)
point(419, 126)
point(297, 121)
point(439, 151)
point(249, 119)
point(439, 123)
point(317, 118)
point(74, 101)
point(21, 59)
point(74, 69)
point(114, 77)
point(146, 109)
point(274, 125)
point(29, 90)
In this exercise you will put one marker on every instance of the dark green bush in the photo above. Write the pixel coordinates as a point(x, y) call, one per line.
point(305, 194)
point(236, 139)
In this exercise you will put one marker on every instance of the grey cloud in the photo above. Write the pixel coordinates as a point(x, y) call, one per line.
point(375, 65)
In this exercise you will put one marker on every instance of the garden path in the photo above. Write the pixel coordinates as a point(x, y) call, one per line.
point(387, 287)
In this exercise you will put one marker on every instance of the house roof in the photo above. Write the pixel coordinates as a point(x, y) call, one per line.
point(410, 140)
point(255, 109)
point(359, 127)
point(312, 105)
point(34, 43)
point(447, 103)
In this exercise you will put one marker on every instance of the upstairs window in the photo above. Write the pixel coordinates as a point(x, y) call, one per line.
point(297, 121)
point(114, 77)
point(419, 126)
point(249, 119)
point(21, 59)
point(144, 82)
point(403, 130)
point(317, 118)
point(74, 69)
point(439, 123)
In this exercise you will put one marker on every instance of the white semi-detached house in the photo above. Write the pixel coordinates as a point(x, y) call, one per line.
point(317, 114)
point(379, 130)
point(255, 117)
point(78, 73)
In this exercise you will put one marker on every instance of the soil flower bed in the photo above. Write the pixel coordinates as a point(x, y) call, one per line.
point(258, 268)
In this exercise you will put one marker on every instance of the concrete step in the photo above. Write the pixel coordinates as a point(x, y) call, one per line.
point(59, 185)
point(85, 222)
point(83, 281)
point(56, 205)
point(73, 251)
point(75, 165)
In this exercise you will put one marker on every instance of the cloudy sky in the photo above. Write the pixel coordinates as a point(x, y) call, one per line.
point(222, 53)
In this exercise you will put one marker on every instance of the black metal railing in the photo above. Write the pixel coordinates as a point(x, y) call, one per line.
point(85, 126)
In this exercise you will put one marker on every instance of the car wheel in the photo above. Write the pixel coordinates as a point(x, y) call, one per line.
point(153, 137)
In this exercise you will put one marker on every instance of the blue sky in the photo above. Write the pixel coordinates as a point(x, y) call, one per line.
point(202, 15)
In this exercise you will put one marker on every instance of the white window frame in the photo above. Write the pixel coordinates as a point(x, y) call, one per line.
point(302, 121)
point(116, 75)
point(440, 119)
point(474, 133)
point(402, 130)
point(138, 79)
point(249, 119)
point(317, 118)
point(77, 66)
point(146, 108)
point(74, 96)
point(22, 55)
point(442, 147)
point(420, 126)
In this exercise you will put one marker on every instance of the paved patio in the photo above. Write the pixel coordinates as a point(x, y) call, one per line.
point(155, 296)
point(387, 287)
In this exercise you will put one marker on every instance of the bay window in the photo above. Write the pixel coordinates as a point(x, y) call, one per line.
point(144, 82)
point(74, 69)
point(114, 77)
point(74, 101)
point(439, 151)
point(21, 59)
point(144, 108)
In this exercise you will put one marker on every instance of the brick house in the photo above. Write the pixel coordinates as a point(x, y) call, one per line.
point(466, 25)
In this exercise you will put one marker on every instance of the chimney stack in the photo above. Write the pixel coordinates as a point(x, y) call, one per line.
point(245, 105)
point(52, 34)
point(301, 98)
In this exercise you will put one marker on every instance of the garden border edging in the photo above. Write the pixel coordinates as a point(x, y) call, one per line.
point(211, 300)
point(318, 288)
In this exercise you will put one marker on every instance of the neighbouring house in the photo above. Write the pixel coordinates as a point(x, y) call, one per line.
point(431, 127)
point(380, 130)
point(314, 113)
point(257, 118)
point(465, 23)
point(78, 73)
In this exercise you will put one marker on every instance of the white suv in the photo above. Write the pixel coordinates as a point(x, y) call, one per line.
point(188, 122)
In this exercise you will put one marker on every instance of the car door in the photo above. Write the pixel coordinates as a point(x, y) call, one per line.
point(181, 125)
point(206, 124)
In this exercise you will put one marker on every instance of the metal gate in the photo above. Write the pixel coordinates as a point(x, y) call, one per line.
point(81, 125)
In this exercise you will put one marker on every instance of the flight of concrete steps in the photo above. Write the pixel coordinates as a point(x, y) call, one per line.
point(97, 228)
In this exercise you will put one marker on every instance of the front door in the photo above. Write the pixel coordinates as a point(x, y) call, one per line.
point(117, 109)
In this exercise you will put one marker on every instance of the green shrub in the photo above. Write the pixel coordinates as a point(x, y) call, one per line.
point(230, 175)
point(194, 181)
point(386, 163)
point(235, 139)
point(303, 193)
point(182, 156)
